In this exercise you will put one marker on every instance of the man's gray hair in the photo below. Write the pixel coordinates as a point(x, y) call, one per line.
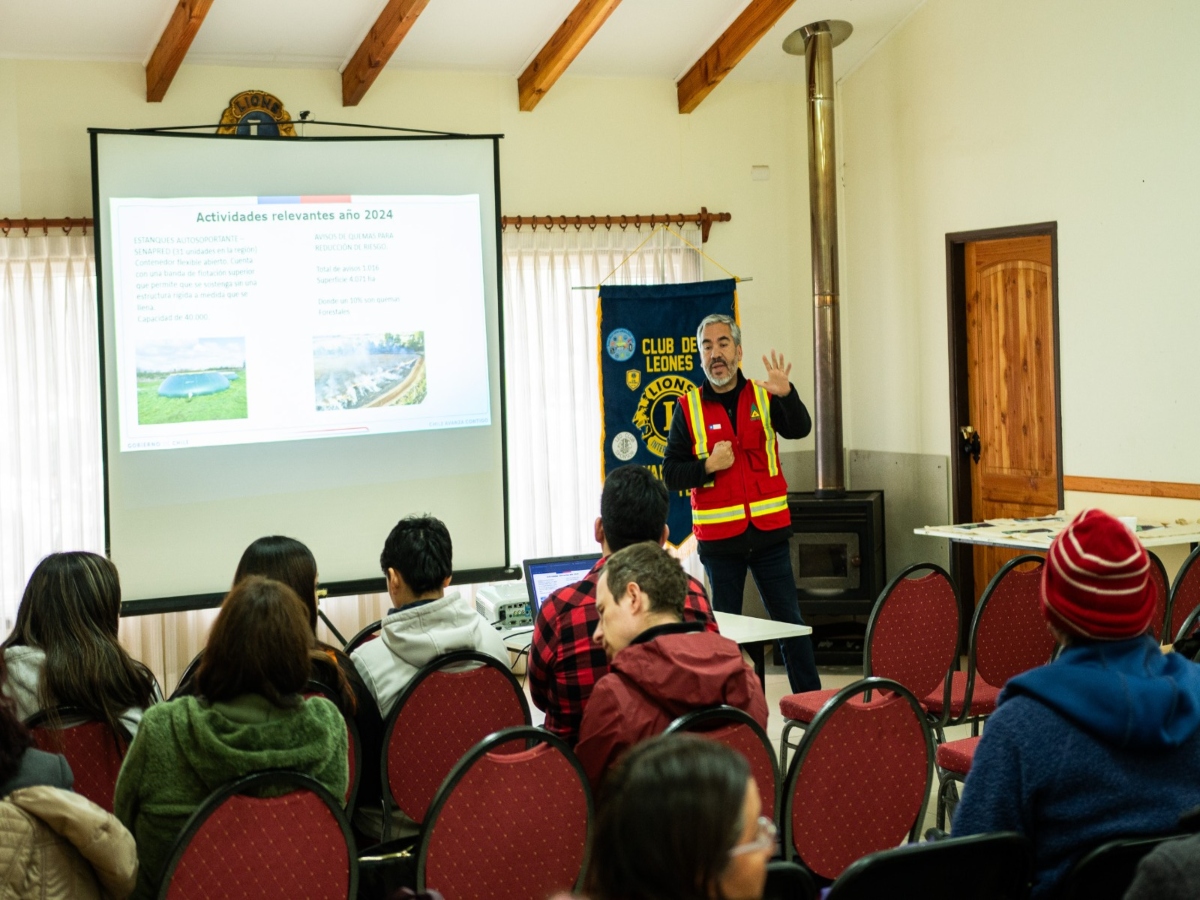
point(718, 319)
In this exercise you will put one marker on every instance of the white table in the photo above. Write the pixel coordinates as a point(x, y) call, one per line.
point(1038, 533)
point(746, 631)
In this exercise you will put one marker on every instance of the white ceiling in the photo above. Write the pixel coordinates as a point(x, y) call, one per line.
point(642, 38)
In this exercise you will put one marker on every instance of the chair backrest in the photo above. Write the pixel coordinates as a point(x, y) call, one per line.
point(912, 635)
point(186, 676)
point(370, 633)
point(788, 881)
point(1106, 872)
point(980, 867)
point(1009, 634)
point(93, 751)
point(1185, 594)
point(1162, 596)
point(353, 744)
point(269, 835)
point(512, 821)
point(737, 730)
point(860, 778)
point(441, 714)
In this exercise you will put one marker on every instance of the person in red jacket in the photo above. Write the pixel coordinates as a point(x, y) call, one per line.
point(661, 667)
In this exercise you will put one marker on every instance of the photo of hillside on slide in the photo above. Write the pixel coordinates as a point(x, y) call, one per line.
point(360, 371)
point(191, 380)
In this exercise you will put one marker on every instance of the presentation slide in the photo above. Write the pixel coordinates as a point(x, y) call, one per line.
point(300, 336)
point(252, 319)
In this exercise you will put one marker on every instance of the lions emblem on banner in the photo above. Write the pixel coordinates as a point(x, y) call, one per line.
point(648, 360)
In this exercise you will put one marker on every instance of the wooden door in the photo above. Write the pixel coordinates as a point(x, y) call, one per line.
point(1011, 385)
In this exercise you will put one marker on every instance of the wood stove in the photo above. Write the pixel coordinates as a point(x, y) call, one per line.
point(837, 550)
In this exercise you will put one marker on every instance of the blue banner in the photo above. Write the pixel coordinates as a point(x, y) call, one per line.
point(648, 360)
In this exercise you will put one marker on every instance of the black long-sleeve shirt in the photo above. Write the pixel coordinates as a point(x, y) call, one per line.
point(682, 471)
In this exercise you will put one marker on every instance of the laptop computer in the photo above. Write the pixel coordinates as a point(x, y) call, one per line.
point(545, 576)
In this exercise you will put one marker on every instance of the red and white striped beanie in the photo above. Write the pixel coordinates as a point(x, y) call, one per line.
point(1096, 581)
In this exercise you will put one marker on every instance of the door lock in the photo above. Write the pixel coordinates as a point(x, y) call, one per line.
point(969, 442)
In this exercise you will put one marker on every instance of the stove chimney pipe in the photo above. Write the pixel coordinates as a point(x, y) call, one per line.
point(816, 41)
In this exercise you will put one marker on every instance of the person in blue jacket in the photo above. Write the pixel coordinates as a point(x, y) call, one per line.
point(1103, 742)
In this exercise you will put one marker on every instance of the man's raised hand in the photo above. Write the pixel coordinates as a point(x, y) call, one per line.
point(777, 381)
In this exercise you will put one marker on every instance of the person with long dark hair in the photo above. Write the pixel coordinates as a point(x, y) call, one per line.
point(64, 650)
point(249, 715)
point(680, 819)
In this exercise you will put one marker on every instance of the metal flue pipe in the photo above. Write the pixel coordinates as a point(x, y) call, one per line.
point(816, 41)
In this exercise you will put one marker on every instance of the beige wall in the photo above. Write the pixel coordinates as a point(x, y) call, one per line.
point(594, 145)
point(1002, 112)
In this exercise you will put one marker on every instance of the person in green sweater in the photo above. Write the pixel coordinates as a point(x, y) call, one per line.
point(249, 716)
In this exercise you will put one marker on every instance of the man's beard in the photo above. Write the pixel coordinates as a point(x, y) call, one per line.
point(730, 374)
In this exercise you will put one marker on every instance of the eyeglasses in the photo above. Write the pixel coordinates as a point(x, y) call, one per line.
point(766, 836)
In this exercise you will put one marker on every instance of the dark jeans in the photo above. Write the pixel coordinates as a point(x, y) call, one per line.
point(771, 569)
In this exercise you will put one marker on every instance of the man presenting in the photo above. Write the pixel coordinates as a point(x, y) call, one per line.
point(723, 446)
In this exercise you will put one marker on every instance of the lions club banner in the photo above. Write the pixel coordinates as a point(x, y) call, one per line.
point(648, 360)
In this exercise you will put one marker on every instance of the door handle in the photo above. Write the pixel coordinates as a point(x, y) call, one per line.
point(968, 443)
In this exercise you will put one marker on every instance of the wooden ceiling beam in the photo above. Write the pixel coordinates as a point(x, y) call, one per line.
point(730, 48)
point(562, 48)
point(393, 24)
point(173, 46)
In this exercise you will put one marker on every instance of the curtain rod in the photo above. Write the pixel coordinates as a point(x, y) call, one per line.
point(704, 218)
point(26, 225)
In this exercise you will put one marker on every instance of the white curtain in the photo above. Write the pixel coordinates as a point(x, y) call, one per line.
point(51, 494)
point(553, 372)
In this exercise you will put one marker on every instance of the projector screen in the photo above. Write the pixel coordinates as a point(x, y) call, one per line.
point(299, 336)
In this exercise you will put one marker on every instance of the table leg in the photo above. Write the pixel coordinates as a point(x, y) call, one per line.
point(757, 653)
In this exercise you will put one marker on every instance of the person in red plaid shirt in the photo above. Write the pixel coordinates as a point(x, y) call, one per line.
point(564, 664)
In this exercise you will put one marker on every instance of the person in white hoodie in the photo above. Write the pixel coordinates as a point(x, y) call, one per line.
point(427, 621)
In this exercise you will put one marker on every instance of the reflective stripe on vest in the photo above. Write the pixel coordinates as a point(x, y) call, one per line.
point(768, 507)
point(763, 400)
point(721, 514)
point(699, 430)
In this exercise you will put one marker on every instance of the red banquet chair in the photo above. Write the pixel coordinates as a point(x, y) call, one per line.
point(1185, 596)
point(353, 744)
point(1008, 636)
point(912, 638)
point(470, 848)
point(860, 778)
point(269, 835)
point(92, 749)
point(442, 713)
point(1162, 599)
point(370, 633)
point(735, 729)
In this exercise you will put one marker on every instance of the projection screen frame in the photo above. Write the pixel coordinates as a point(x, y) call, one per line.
point(341, 588)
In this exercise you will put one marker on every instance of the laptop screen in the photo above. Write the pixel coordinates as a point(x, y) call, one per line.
point(545, 576)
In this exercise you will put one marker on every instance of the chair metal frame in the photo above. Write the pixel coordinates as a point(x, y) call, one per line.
point(872, 623)
point(362, 637)
point(187, 674)
point(244, 785)
point(862, 879)
point(458, 657)
point(864, 687)
point(1191, 563)
point(695, 721)
point(1082, 883)
point(531, 736)
point(324, 690)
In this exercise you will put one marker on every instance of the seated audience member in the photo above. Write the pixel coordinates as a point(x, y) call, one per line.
point(564, 662)
point(289, 561)
point(249, 716)
point(660, 666)
point(64, 651)
point(680, 817)
point(53, 842)
point(1104, 741)
point(426, 622)
point(1171, 871)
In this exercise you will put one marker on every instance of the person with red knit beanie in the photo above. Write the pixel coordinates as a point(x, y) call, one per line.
point(1104, 741)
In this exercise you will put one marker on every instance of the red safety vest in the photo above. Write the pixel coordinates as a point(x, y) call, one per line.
point(753, 489)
